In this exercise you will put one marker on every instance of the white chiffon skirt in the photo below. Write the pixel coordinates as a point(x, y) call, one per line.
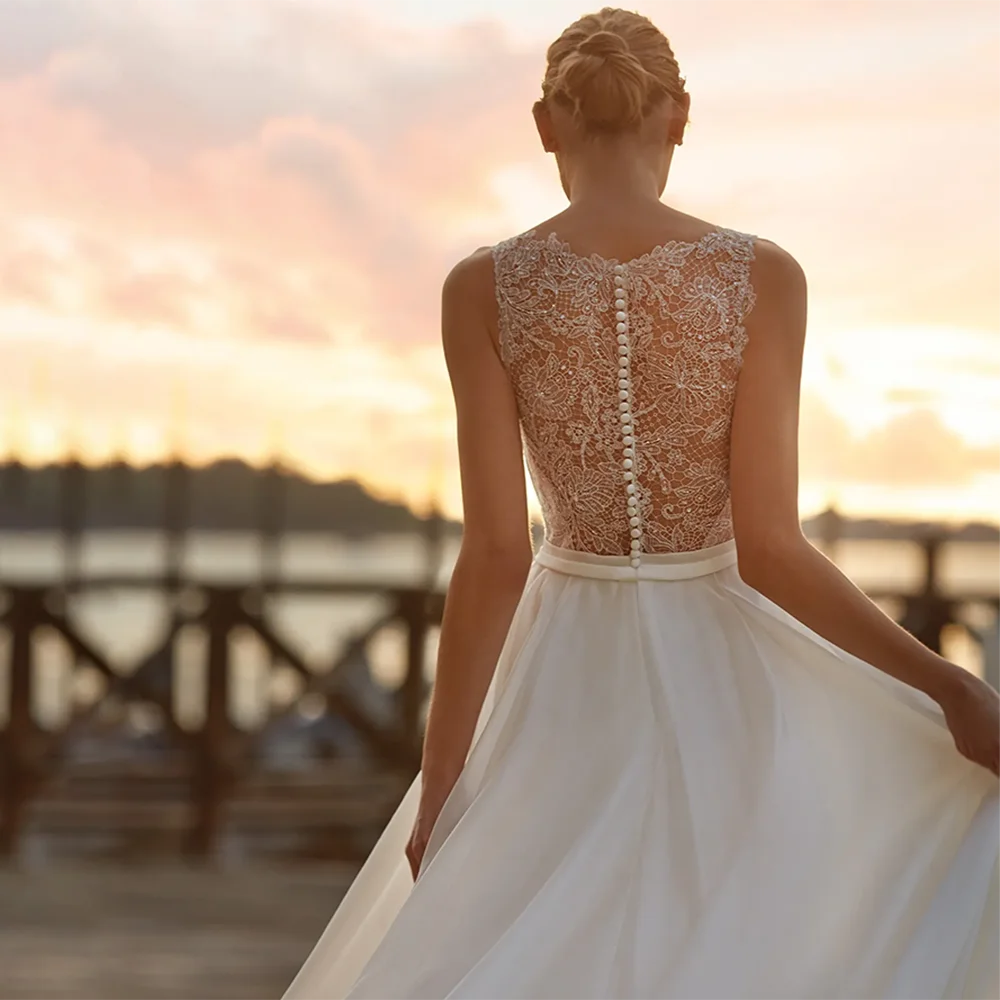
point(678, 790)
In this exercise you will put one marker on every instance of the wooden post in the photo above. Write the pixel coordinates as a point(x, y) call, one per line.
point(414, 612)
point(271, 487)
point(928, 612)
point(433, 546)
point(20, 734)
point(176, 482)
point(830, 527)
point(72, 498)
point(271, 511)
point(213, 766)
point(175, 515)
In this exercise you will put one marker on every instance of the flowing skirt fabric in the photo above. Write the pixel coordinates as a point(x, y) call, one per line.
point(676, 790)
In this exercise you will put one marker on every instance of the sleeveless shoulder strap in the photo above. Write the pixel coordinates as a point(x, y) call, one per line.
point(737, 251)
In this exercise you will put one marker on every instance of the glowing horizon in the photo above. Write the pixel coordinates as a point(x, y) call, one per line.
point(247, 256)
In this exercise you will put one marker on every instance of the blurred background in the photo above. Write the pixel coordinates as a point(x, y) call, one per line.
point(229, 499)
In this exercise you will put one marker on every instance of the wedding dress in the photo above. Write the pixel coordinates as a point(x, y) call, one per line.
point(675, 789)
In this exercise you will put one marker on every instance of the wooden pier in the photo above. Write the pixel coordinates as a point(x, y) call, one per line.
point(208, 792)
point(210, 778)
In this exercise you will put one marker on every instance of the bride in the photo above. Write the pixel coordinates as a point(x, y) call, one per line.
point(674, 752)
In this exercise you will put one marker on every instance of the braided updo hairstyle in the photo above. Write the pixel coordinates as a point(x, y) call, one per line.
point(610, 69)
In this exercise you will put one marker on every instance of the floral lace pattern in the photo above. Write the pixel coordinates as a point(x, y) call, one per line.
point(686, 305)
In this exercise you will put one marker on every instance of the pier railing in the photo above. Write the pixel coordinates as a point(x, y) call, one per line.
point(215, 766)
point(210, 783)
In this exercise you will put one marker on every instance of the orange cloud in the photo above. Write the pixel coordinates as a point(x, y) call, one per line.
point(911, 450)
point(261, 200)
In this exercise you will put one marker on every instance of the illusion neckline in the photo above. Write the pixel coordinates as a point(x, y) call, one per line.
point(556, 242)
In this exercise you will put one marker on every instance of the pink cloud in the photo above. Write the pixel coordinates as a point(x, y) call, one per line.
point(355, 201)
point(287, 181)
point(912, 450)
point(26, 276)
point(156, 299)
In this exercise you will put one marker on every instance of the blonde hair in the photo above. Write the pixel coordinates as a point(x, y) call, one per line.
point(611, 69)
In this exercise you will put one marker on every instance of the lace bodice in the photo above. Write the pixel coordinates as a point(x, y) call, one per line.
point(625, 375)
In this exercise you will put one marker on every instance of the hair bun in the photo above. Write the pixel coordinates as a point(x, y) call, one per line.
point(603, 43)
point(611, 69)
point(604, 83)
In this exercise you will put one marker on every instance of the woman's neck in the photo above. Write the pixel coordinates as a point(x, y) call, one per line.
point(612, 178)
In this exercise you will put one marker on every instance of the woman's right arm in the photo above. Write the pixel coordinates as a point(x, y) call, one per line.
point(774, 556)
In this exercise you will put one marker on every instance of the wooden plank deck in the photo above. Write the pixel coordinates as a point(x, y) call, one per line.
point(161, 933)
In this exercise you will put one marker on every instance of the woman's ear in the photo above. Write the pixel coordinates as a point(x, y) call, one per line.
point(680, 119)
point(543, 122)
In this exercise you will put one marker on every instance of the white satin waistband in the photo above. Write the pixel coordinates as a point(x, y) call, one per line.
point(652, 566)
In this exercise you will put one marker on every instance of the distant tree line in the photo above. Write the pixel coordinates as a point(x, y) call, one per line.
point(228, 495)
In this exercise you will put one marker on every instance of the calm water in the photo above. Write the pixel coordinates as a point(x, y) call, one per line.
point(125, 625)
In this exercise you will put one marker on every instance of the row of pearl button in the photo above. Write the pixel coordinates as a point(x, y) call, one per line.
point(625, 413)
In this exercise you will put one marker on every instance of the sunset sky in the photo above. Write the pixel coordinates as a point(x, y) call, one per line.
point(225, 223)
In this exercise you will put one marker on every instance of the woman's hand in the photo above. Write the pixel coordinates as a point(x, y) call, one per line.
point(428, 811)
point(972, 710)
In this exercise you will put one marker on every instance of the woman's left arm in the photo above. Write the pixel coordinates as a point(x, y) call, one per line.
point(495, 555)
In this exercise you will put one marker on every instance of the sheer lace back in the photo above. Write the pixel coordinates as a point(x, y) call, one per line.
point(625, 376)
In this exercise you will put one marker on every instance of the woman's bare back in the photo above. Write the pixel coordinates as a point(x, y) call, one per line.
point(625, 372)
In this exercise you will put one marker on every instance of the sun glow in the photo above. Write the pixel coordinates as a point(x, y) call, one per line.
point(270, 235)
point(876, 373)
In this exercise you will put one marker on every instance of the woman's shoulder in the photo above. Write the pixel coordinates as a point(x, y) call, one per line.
point(779, 297)
point(473, 272)
point(774, 266)
point(468, 294)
